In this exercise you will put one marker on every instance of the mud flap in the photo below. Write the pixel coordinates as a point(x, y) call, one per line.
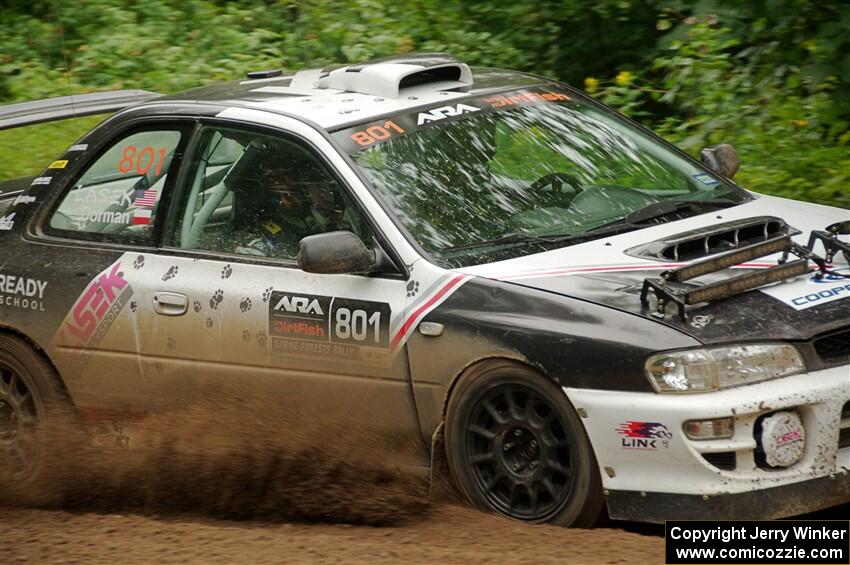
point(440, 485)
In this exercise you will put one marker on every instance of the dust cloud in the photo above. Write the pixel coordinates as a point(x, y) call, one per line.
point(226, 457)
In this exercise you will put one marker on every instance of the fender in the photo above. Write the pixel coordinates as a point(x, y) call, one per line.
point(4, 329)
point(576, 343)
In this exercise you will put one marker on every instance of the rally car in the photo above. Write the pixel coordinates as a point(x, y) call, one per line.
point(508, 275)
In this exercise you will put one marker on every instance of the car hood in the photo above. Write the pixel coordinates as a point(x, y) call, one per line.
point(609, 272)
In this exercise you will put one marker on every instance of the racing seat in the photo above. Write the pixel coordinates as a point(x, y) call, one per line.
point(257, 200)
point(196, 230)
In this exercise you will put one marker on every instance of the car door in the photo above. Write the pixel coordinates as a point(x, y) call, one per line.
point(106, 211)
point(236, 317)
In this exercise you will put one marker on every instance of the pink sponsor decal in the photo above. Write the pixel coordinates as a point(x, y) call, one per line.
point(101, 300)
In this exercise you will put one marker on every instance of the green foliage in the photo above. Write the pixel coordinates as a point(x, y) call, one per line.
point(26, 151)
point(771, 77)
point(780, 122)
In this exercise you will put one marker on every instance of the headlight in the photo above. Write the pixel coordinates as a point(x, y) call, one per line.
point(701, 370)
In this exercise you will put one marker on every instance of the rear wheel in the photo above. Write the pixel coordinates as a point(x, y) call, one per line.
point(515, 446)
point(29, 392)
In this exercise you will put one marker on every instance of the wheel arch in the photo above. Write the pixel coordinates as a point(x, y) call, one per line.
point(41, 352)
point(443, 480)
point(482, 364)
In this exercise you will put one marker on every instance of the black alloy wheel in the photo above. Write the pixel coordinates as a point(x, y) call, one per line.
point(18, 419)
point(29, 388)
point(518, 452)
point(516, 446)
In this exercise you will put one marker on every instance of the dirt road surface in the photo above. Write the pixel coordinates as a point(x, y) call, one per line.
point(448, 535)
point(209, 485)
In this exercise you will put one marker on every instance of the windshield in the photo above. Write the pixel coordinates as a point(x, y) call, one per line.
point(493, 177)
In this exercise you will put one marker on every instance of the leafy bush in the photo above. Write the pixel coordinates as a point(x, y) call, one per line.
point(771, 77)
point(779, 122)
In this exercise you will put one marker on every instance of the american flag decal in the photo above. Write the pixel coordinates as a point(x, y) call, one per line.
point(146, 198)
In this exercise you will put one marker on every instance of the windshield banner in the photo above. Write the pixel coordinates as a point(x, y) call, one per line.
point(364, 136)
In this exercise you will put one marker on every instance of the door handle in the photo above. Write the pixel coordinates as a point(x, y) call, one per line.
point(170, 303)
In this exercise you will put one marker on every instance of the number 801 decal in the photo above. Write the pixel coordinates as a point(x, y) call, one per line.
point(142, 161)
point(360, 322)
point(358, 325)
point(376, 133)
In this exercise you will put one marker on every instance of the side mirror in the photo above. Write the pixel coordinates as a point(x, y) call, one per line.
point(336, 252)
point(721, 158)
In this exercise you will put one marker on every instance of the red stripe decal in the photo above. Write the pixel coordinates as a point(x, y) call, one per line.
point(646, 267)
point(412, 319)
point(592, 269)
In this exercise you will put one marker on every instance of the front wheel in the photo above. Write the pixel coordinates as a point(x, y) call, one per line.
point(515, 446)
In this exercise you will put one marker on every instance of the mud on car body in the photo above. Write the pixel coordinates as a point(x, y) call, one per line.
point(495, 268)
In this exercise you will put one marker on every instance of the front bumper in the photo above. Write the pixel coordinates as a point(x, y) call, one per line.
point(667, 475)
point(767, 504)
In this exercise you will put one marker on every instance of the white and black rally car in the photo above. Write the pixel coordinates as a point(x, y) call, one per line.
point(487, 263)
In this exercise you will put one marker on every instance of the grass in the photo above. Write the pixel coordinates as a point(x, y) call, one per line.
point(26, 151)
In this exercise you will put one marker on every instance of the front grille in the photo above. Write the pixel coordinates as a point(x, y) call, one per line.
point(722, 460)
point(844, 431)
point(833, 346)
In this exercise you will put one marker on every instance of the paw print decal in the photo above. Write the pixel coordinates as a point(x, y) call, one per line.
point(267, 294)
point(246, 335)
point(226, 272)
point(172, 343)
point(134, 306)
point(170, 273)
point(262, 338)
point(209, 322)
point(412, 289)
point(216, 299)
point(139, 262)
point(245, 305)
point(196, 306)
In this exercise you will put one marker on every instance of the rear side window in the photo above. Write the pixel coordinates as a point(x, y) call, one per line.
point(118, 195)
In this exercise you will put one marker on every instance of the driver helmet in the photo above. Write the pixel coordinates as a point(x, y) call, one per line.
point(280, 186)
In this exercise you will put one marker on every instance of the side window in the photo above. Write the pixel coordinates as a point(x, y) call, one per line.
point(257, 194)
point(120, 192)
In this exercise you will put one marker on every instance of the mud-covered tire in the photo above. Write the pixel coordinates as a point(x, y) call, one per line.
point(32, 400)
point(516, 446)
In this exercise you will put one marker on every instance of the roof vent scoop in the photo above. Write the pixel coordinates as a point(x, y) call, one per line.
point(388, 77)
point(710, 240)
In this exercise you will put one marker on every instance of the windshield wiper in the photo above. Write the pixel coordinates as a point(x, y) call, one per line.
point(633, 221)
point(506, 239)
point(663, 209)
point(518, 238)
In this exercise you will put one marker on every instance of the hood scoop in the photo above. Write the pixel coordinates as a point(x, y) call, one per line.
point(711, 240)
point(672, 286)
point(390, 76)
